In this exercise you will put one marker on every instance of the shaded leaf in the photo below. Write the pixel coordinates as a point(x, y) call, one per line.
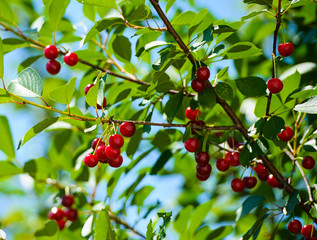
point(249, 204)
point(251, 86)
point(161, 161)
point(49, 230)
point(28, 62)
point(173, 105)
point(273, 127)
point(224, 91)
point(241, 50)
point(292, 202)
point(207, 98)
point(122, 47)
point(220, 233)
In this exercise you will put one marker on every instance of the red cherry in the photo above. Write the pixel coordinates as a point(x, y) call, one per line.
point(87, 88)
point(95, 142)
point(218, 134)
point(204, 170)
point(90, 160)
point(294, 226)
point(237, 185)
point(308, 162)
point(271, 180)
point(53, 67)
point(250, 182)
point(68, 200)
point(197, 123)
point(192, 144)
point(233, 158)
point(56, 214)
point(101, 154)
point(275, 85)
point(259, 168)
point(198, 85)
point(112, 153)
point(116, 141)
point(61, 224)
point(71, 59)
point(202, 178)
point(192, 115)
point(71, 214)
point(202, 158)
point(285, 49)
point(203, 73)
point(127, 129)
point(50, 52)
point(117, 162)
point(222, 164)
point(263, 176)
point(286, 135)
point(308, 230)
point(233, 143)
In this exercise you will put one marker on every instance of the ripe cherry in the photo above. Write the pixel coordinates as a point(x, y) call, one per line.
point(197, 123)
point(101, 154)
point(263, 176)
point(308, 230)
point(250, 182)
point(68, 200)
point(259, 168)
point(285, 49)
point(112, 153)
point(237, 185)
point(87, 88)
point(202, 158)
point(90, 160)
point(222, 164)
point(202, 178)
point(127, 129)
point(192, 115)
point(271, 180)
point(51, 52)
point(294, 226)
point(308, 162)
point(198, 85)
point(286, 135)
point(233, 158)
point(71, 214)
point(117, 162)
point(53, 67)
point(275, 85)
point(192, 144)
point(56, 214)
point(233, 143)
point(204, 170)
point(71, 59)
point(203, 73)
point(61, 224)
point(95, 142)
point(116, 141)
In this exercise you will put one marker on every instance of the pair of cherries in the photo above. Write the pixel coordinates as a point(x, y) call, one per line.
point(199, 83)
point(308, 231)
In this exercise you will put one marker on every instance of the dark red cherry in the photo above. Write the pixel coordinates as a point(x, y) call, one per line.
point(116, 162)
point(61, 224)
point(71, 214)
point(95, 142)
point(203, 73)
point(53, 67)
point(308, 230)
point(56, 214)
point(222, 164)
point(127, 129)
point(192, 144)
point(308, 162)
point(198, 85)
point(202, 158)
point(101, 154)
point(68, 200)
point(196, 123)
point(271, 180)
point(294, 226)
point(87, 88)
point(202, 178)
point(250, 182)
point(233, 158)
point(237, 185)
point(204, 170)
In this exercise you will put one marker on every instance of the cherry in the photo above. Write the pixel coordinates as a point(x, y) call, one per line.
point(71, 59)
point(87, 88)
point(50, 52)
point(286, 135)
point(192, 115)
point(294, 226)
point(61, 224)
point(222, 164)
point(197, 123)
point(308, 230)
point(71, 214)
point(272, 181)
point(202, 178)
point(237, 185)
point(95, 142)
point(259, 168)
point(250, 182)
point(202, 158)
point(116, 141)
point(311, 238)
point(68, 200)
point(127, 129)
point(117, 162)
point(285, 49)
point(233, 143)
point(203, 73)
point(308, 162)
point(198, 85)
point(263, 176)
point(112, 153)
point(56, 214)
point(233, 158)
point(275, 85)
point(192, 144)
point(101, 154)
point(204, 170)
point(53, 67)
point(90, 160)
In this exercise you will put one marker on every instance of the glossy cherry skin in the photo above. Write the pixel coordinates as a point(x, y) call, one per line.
point(116, 141)
point(202, 158)
point(127, 129)
point(272, 181)
point(285, 49)
point(237, 185)
point(222, 164)
point(250, 182)
point(192, 115)
point(90, 160)
point(112, 153)
point(204, 170)
point(71, 214)
point(53, 67)
point(202, 178)
point(233, 158)
point(101, 154)
point(61, 224)
point(259, 168)
point(51, 52)
point(197, 123)
point(308, 162)
point(192, 144)
point(286, 135)
point(68, 200)
point(56, 214)
point(275, 85)
point(308, 230)
point(95, 142)
point(71, 59)
point(198, 85)
point(203, 73)
point(117, 162)
point(294, 226)
point(87, 88)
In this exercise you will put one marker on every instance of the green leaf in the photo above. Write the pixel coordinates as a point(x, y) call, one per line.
point(309, 106)
point(241, 50)
point(313, 211)
point(10, 44)
point(198, 216)
point(122, 48)
point(223, 73)
point(141, 195)
point(207, 98)
point(4, 96)
point(224, 91)
point(96, 93)
point(49, 230)
point(90, 55)
point(261, 2)
point(6, 13)
point(259, 125)
point(251, 86)
point(273, 127)
point(249, 204)
point(100, 3)
point(202, 38)
point(247, 155)
point(261, 146)
point(184, 18)
point(181, 222)
point(64, 93)
point(161, 161)
point(8, 169)
point(134, 143)
point(37, 129)
point(173, 105)
point(292, 202)
point(169, 4)
point(257, 225)
point(290, 84)
point(28, 84)
point(56, 11)
point(103, 228)
point(28, 62)
point(196, 21)
point(142, 12)
point(164, 84)
point(252, 14)
point(150, 233)
point(1, 58)
point(6, 142)
point(167, 216)
point(167, 57)
point(220, 233)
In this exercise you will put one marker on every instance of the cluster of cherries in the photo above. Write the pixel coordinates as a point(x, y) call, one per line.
point(53, 67)
point(63, 214)
point(199, 83)
point(111, 153)
point(308, 231)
